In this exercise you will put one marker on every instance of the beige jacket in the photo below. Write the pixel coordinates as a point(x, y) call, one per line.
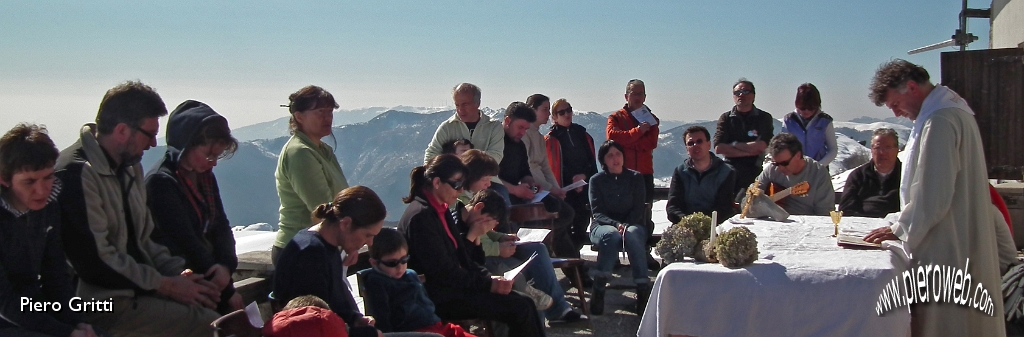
point(95, 231)
point(537, 150)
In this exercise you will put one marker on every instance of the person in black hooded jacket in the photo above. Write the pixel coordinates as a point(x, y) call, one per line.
point(184, 198)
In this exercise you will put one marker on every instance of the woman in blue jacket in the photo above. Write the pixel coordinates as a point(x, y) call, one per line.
point(812, 126)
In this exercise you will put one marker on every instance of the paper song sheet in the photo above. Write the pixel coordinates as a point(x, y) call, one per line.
point(575, 185)
point(511, 274)
point(643, 114)
point(527, 235)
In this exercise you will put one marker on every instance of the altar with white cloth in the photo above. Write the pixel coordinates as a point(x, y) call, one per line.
point(803, 284)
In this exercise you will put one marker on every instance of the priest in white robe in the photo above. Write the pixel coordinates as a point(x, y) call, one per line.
point(946, 213)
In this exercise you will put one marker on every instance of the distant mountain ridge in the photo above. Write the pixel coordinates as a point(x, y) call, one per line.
point(379, 152)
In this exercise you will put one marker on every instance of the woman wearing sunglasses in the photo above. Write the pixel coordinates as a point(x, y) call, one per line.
point(571, 156)
point(812, 126)
point(460, 287)
point(185, 202)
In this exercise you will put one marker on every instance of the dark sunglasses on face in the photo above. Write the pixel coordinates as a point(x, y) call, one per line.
point(394, 263)
point(742, 92)
point(456, 185)
point(564, 111)
point(695, 143)
point(782, 163)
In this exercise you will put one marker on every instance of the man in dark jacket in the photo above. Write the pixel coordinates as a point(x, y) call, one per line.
point(873, 189)
point(743, 134)
point(32, 260)
point(184, 198)
point(703, 183)
point(515, 175)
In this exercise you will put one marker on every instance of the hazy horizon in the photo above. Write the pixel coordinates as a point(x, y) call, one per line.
point(244, 59)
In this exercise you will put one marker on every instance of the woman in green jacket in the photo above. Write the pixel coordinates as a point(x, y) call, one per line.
point(308, 173)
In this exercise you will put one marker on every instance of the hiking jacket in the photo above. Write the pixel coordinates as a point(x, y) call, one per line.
point(559, 139)
point(488, 136)
point(106, 226)
point(33, 265)
point(691, 191)
point(625, 129)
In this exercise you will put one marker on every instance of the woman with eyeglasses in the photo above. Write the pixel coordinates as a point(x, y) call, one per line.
point(308, 173)
point(184, 199)
point(617, 196)
point(571, 156)
point(459, 286)
point(812, 126)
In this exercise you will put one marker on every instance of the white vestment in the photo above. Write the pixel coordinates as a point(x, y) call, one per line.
point(947, 216)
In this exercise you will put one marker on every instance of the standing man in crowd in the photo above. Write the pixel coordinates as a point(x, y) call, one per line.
point(703, 183)
point(469, 123)
point(107, 226)
point(638, 138)
point(947, 215)
point(743, 134)
point(873, 189)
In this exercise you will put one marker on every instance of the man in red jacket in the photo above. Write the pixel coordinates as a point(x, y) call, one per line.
point(636, 128)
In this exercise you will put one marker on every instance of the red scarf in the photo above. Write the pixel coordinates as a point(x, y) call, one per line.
point(441, 210)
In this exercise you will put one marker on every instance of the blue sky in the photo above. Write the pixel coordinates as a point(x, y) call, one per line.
point(57, 58)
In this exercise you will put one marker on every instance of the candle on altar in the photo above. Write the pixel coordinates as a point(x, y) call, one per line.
point(714, 225)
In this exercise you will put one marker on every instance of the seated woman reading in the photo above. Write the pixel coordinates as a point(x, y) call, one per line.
point(459, 287)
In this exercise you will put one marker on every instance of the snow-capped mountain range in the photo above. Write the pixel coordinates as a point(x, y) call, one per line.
point(377, 147)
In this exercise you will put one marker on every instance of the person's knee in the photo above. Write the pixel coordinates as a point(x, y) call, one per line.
point(610, 238)
point(639, 232)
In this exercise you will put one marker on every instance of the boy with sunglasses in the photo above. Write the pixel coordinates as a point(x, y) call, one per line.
point(398, 299)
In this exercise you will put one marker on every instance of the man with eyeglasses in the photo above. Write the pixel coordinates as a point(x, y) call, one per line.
point(873, 189)
point(743, 134)
point(106, 226)
point(790, 167)
point(703, 183)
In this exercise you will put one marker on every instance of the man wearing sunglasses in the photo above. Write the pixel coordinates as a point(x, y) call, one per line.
point(703, 183)
point(743, 134)
point(790, 167)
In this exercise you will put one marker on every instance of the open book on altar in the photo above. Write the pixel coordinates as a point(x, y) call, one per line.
point(855, 239)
